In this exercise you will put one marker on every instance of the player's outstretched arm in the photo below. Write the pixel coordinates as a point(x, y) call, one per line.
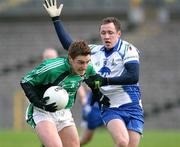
point(54, 12)
point(129, 76)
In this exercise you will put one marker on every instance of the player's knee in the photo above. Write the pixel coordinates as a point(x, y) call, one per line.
point(75, 143)
point(54, 144)
point(122, 142)
point(85, 139)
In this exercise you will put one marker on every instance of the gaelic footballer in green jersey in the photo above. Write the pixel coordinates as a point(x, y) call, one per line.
point(66, 72)
point(56, 128)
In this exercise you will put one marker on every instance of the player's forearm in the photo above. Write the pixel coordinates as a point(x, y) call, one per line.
point(63, 36)
point(29, 91)
point(129, 76)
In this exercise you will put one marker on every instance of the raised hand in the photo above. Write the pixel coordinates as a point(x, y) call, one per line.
point(51, 8)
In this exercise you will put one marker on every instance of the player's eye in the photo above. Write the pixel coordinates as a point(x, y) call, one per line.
point(103, 33)
point(83, 62)
point(110, 33)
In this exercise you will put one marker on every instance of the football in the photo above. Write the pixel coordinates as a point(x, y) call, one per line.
point(58, 95)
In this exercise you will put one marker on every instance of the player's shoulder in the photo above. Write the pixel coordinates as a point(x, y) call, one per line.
point(126, 46)
point(90, 67)
point(90, 70)
point(54, 63)
point(95, 48)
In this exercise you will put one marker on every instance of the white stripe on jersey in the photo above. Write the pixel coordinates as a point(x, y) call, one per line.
point(43, 70)
point(49, 67)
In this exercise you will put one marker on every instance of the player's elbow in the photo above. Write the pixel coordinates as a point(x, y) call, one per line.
point(135, 79)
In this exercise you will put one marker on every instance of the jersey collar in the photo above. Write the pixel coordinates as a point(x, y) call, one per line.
point(117, 47)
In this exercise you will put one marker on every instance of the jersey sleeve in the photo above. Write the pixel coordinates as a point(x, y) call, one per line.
point(131, 54)
point(92, 46)
point(36, 76)
point(63, 36)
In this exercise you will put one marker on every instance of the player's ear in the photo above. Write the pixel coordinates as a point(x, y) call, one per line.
point(119, 33)
point(70, 59)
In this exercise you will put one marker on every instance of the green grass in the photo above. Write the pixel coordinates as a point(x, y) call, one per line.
point(28, 138)
point(25, 138)
point(156, 138)
point(170, 138)
point(101, 138)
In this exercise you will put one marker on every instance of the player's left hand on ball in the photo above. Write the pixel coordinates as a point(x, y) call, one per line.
point(96, 81)
point(50, 107)
point(51, 7)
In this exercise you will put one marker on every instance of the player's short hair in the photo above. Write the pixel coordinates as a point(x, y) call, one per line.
point(113, 20)
point(78, 48)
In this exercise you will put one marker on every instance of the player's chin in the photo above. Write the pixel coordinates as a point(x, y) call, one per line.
point(81, 72)
point(108, 45)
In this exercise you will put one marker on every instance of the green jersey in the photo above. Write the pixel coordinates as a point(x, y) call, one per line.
point(54, 72)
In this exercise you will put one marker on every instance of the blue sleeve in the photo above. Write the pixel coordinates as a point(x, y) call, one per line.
point(129, 76)
point(63, 36)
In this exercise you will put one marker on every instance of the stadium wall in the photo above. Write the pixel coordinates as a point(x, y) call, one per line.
point(23, 38)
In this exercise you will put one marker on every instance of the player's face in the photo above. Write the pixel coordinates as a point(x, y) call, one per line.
point(80, 64)
point(109, 35)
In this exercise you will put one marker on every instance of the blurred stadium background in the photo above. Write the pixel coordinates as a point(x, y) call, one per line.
point(151, 25)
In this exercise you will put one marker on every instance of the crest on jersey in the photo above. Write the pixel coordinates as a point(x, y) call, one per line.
point(105, 71)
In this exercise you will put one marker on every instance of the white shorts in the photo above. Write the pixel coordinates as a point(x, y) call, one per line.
point(61, 118)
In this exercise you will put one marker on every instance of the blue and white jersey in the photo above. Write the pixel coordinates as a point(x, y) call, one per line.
point(111, 64)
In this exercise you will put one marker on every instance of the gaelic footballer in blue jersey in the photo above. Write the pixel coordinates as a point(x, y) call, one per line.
point(117, 61)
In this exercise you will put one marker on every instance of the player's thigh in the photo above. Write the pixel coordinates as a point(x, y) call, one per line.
point(69, 136)
point(47, 132)
point(118, 131)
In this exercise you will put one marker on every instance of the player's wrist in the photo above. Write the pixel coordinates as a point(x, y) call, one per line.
point(37, 102)
point(105, 81)
point(55, 18)
point(33, 100)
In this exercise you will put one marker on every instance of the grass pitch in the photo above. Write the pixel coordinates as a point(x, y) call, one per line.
point(28, 138)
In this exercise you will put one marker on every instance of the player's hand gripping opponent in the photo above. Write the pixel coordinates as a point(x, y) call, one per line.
point(51, 8)
point(102, 100)
point(96, 81)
